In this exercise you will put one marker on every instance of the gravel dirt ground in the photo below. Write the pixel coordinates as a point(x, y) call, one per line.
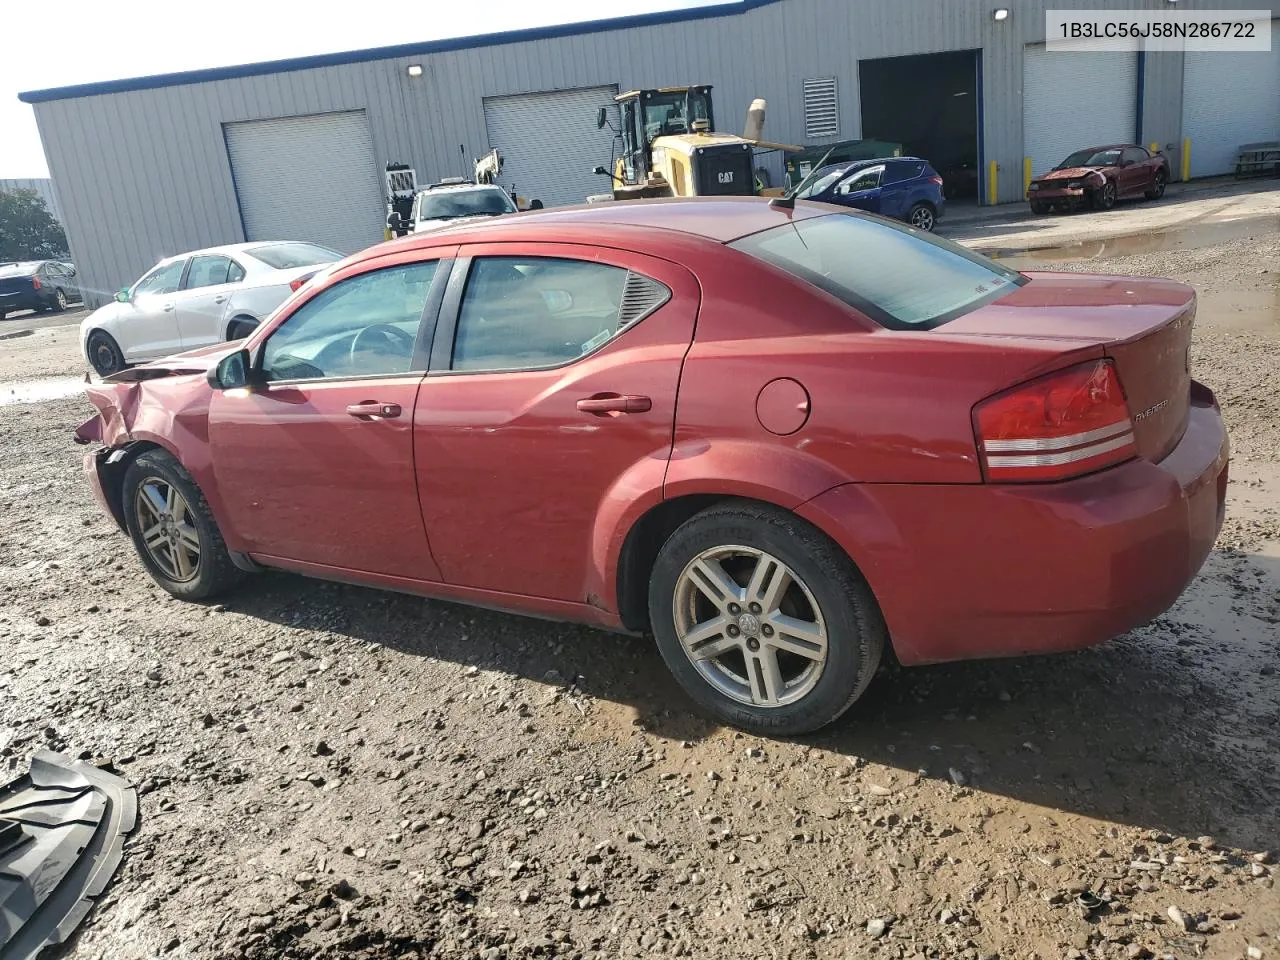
point(329, 771)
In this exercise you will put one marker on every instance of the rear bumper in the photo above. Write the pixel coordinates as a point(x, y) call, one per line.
point(21, 301)
point(987, 570)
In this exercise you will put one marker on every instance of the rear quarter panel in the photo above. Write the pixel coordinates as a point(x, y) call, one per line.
point(884, 406)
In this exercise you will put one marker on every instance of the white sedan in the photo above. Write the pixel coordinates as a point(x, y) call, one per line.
point(196, 299)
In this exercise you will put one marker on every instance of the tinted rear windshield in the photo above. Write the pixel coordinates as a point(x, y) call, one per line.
point(898, 276)
point(18, 269)
point(286, 256)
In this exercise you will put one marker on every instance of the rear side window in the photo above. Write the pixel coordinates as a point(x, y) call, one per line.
point(286, 256)
point(903, 170)
point(1135, 155)
point(899, 277)
point(521, 313)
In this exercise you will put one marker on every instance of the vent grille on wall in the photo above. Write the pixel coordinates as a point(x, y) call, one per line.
point(821, 108)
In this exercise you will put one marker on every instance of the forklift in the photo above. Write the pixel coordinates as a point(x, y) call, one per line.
point(670, 148)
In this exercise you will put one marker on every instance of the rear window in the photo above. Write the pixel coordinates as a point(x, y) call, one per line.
point(286, 256)
point(18, 269)
point(898, 276)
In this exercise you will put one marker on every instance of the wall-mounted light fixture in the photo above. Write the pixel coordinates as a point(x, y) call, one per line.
point(414, 70)
point(1000, 13)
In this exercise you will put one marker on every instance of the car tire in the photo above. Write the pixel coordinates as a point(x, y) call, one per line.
point(173, 529)
point(240, 327)
point(1038, 208)
point(923, 217)
point(1157, 186)
point(1105, 198)
point(827, 601)
point(104, 353)
point(59, 300)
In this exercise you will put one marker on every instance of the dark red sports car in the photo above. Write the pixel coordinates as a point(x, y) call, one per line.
point(778, 440)
point(1099, 176)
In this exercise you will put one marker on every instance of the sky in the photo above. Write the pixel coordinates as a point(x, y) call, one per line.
point(89, 41)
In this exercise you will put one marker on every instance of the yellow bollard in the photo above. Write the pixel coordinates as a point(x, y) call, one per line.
point(1155, 147)
point(1186, 160)
point(992, 192)
point(1026, 175)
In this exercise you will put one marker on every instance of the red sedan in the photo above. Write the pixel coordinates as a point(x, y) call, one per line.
point(778, 440)
point(1099, 176)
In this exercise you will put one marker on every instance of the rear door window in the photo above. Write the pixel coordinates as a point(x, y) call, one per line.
point(1135, 155)
point(900, 278)
point(207, 271)
point(523, 313)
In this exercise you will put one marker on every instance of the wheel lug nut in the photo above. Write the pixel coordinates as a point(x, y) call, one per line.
point(754, 608)
point(767, 630)
point(753, 644)
point(734, 609)
point(733, 631)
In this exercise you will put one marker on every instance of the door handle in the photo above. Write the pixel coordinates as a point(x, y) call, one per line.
point(374, 410)
point(220, 298)
point(168, 308)
point(605, 403)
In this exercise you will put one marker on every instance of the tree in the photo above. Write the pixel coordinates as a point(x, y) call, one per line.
point(27, 230)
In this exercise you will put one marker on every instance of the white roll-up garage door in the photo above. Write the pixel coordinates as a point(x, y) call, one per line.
point(308, 178)
point(550, 144)
point(1229, 99)
point(1072, 100)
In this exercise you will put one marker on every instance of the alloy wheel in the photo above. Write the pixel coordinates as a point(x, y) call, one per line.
point(922, 218)
point(62, 299)
point(750, 626)
point(168, 529)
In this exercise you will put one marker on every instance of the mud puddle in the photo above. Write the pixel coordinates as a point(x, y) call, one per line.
point(1187, 237)
point(37, 391)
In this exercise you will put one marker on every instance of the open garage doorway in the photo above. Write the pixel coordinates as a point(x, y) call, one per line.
point(930, 103)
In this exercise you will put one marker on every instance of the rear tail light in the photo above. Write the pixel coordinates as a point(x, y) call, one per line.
point(1063, 425)
point(936, 179)
point(35, 283)
point(296, 285)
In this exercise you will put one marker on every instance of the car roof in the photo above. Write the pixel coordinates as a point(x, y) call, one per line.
point(859, 164)
point(638, 224)
point(230, 248)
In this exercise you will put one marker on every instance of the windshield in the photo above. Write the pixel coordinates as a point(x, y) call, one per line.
point(450, 204)
point(667, 114)
point(823, 182)
point(286, 256)
point(1090, 158)
point(17, 269)
point(896, 275)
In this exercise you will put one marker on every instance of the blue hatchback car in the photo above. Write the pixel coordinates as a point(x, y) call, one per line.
point(904, 188)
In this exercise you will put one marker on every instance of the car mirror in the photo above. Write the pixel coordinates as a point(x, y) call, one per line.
point(535, 204)
point(233, 372)
point(122, 295)
point(71, 271)
point(600, 172)
point(602, 117)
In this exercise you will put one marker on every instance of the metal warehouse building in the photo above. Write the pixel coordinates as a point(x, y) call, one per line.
point(295, 149)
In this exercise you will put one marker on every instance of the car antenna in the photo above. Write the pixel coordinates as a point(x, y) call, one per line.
point(788, 200)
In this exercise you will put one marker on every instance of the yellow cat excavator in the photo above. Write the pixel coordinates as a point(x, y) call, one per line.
point(670, 148)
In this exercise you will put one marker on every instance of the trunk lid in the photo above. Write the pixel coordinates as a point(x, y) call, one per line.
point(1143, 325)
point(21, 284)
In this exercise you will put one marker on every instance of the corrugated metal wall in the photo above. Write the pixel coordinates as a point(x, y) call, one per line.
point(144, 174)
point(42, 186)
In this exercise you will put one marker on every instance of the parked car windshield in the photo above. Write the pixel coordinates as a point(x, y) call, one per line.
point(898, 276)
point(18, 269)
point(1090, 158)
point(824, 181)
point(464, 203)
point(286, 256)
